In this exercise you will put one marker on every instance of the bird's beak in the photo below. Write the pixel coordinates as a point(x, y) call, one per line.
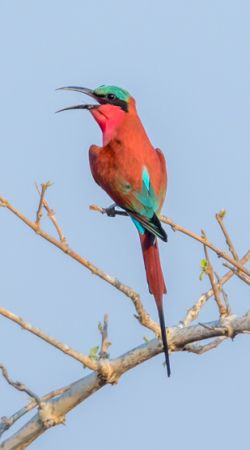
point(83, 90)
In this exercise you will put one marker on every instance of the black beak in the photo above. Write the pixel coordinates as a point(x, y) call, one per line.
point(83, 90)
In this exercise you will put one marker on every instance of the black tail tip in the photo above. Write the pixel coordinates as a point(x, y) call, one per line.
point(167, 365)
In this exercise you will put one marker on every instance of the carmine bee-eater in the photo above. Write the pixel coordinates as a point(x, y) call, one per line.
point(133, 173)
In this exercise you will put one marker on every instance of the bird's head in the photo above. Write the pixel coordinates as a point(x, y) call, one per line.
point(113, 105)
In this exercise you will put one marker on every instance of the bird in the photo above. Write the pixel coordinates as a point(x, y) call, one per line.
point(133, 173)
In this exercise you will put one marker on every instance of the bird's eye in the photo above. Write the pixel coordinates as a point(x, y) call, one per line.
point(111, 96)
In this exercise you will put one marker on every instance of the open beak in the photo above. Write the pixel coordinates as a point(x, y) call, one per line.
point(83, 90)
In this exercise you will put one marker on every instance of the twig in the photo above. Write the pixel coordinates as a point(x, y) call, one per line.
point(7, 422)
point(105, 370)
point(224, 294)
point(225, 328)
point(210, 272)
point(97, 208)
point(219, 217)
point(200, 349)
point(39, 213)
point(194, 311)
point(205, 242)
point(115, 212)
point(52, 217)
point(50, 340)
point(239, 274)
point(142, 314)
point(19, 386)
point(103, 328)
point(176, 227)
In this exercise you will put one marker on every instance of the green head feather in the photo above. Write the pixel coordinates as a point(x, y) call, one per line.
point(120, 93)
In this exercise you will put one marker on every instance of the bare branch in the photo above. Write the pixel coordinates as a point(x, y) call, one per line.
point(108, 371)
point(111, 211)
point(210, 272)
point(205, 242)
point(83, 388)
point(39, 213)
point(202, 240)
point(103, 328)
point(220, 219)
point(19, 386)
point(88, 362)
point(200, 349)
point(194, 311)
point(97, 208)
point(7, 422)
point(142, 314)
point(238, 274)
point(222, 290)
point(52, 217)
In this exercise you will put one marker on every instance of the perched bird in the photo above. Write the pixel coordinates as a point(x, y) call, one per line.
point(133, 173)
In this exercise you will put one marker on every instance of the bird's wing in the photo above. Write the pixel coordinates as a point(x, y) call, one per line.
point(163, 177)
point(142, 205)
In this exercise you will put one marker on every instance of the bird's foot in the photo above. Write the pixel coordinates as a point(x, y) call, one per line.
point(111, 211)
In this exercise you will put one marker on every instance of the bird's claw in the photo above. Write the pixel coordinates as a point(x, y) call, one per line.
point(111, 211)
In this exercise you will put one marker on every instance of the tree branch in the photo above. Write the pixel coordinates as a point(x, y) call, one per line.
point(194, 311)
point(39, 213)
point(52, 411)
point(51, 215)
point(83, 388)
point(7, 422)
point(176, 227)
point(206, 242)
point(200, 349)
point(19, 386)
point(88, 362)
point(220, 219)
point(103, 328)
point(210, 272)
point(238, 274)
point(142, 314)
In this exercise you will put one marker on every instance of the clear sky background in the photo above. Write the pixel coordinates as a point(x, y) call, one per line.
point(187, 64)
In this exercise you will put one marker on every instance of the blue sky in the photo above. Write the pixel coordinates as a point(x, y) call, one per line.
point(187, 65)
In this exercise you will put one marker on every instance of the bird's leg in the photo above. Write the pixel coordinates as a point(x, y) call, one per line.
point(112, 212)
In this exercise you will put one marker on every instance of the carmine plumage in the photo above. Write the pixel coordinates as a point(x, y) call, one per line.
point(133, 173)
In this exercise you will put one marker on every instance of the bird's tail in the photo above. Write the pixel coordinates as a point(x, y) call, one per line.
point(156, 282)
